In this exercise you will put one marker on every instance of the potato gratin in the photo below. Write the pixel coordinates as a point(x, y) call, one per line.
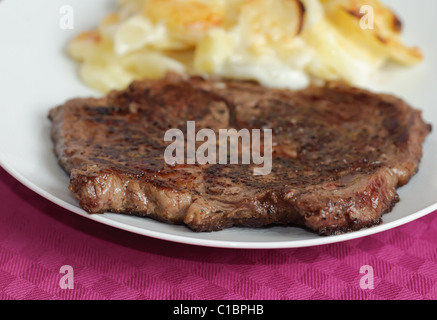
point(279, 43)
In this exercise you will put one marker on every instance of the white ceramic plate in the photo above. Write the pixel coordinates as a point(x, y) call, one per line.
point(35, 75)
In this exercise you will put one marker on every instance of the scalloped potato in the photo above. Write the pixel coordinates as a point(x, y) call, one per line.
point(279, 43)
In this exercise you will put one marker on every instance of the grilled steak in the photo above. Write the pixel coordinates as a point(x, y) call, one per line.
point(339, 154)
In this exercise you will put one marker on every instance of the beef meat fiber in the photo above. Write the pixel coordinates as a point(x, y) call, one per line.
point(339, 154)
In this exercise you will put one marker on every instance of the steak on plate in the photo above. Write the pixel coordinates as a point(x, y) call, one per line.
point(339, 154)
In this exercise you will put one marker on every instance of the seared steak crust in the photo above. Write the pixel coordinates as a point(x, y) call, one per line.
point(339, 154)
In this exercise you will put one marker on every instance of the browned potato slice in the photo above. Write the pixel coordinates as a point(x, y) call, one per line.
point(186, 20)
point(373, 25)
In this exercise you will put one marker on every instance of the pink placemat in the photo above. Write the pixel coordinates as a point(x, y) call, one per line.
point(47, 252)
